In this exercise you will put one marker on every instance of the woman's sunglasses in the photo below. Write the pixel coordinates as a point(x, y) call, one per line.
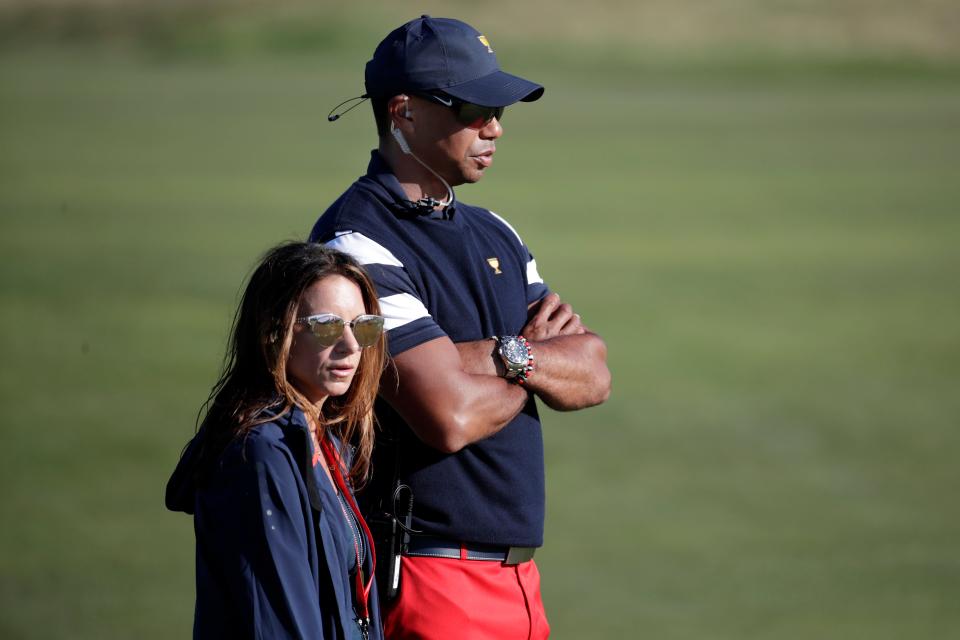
point(328, 328)
point(468, 114)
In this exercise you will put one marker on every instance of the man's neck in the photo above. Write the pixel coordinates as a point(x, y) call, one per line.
point(416, 182)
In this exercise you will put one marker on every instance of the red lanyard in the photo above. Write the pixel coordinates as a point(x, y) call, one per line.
point(363, 591)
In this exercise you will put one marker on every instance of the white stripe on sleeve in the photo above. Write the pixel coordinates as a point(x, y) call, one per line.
point(400, 309)
point(533, 276)
point(363, 249)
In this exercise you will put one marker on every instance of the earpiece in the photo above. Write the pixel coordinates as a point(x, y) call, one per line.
point(397, 134)
point(401, 141)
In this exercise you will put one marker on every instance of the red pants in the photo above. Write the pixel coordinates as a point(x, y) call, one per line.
point(466, 600)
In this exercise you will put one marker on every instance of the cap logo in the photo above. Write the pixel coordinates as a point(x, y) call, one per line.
point(495, 265)
point(486, 43)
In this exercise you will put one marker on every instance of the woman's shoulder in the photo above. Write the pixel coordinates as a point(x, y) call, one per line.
point(267, 442)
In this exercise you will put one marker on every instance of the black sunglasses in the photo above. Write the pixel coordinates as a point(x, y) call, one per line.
point(328, 328)
point(468, 114)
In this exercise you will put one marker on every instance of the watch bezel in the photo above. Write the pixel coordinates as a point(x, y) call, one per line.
point(513, 367)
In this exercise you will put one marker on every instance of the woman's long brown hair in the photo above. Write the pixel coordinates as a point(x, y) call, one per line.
point(254, 377)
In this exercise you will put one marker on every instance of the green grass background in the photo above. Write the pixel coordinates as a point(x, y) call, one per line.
point(756, 204)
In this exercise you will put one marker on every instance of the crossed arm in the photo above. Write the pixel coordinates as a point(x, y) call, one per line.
point(452, 395)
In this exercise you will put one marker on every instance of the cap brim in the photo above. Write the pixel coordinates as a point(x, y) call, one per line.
point(498, 89)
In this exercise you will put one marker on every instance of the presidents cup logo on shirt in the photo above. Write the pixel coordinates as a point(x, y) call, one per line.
point(486, 43)
point(495, 265)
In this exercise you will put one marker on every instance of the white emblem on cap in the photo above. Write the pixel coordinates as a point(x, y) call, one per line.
point(486, 43)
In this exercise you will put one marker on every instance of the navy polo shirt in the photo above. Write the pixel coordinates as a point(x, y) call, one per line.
point(467, 275)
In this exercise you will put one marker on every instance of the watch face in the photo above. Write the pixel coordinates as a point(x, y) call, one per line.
point(515, 352)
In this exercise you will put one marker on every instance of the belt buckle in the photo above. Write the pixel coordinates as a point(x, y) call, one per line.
point(519, 555)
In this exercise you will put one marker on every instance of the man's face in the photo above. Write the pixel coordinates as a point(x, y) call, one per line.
point(459, 154)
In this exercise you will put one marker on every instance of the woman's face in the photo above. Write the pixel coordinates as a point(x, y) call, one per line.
point(315, 370)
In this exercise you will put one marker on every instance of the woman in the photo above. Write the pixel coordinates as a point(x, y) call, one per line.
point(288, 432)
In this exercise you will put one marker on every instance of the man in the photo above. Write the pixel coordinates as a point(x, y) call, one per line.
point(475, 335)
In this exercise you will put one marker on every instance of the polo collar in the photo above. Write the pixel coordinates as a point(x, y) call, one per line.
point(380, 172)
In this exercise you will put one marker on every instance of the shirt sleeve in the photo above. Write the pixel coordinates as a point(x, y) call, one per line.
point(406, 318)
point(536, 287)
point(257, 528)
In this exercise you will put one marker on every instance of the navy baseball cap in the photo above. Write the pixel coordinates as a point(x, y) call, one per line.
point(431, 54)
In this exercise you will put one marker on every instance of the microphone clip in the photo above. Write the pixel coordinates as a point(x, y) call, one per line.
point(333, 117)
point(425, 206)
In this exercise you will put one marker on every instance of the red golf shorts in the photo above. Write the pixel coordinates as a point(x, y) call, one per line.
point(466, 600)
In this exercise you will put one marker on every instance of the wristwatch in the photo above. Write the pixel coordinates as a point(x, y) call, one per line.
point(517, 357)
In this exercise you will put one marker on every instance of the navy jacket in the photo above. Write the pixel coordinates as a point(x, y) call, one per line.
point(272, 547)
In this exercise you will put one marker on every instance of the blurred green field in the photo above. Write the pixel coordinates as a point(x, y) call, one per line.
point(769, 246)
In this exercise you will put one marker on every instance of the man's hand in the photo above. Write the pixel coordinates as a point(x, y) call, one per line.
point(550, 317)
point(570, 361)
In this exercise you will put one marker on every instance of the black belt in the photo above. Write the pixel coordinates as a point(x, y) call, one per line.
point(430, 547)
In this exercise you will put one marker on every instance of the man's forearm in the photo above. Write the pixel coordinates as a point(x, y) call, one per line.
point(445, 400)
point(570, 372)
point(478, 407)
point(480, 357)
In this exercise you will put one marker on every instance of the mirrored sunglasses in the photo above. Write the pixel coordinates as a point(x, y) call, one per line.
point(468, 114)
point(328, 328)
